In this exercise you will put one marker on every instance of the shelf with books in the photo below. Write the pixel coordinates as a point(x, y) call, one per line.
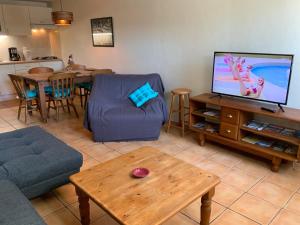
point(279, 136)
point(205, 126)
point(212, 115)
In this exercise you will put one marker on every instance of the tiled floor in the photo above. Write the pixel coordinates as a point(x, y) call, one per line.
point(249, 193)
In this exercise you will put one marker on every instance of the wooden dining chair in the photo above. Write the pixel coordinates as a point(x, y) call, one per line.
point(28, 99)
point(76, 67)
point(39, 70)
point(87, 86)
point(63, 89)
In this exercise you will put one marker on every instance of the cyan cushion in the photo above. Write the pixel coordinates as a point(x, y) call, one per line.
point(86, 85)
point(31, 93)
point(48, 89)
point(142, 95)
point(59, 93)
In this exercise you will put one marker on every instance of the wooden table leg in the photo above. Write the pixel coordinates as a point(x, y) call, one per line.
point(206, 207)
point(42, 102)
point(84, 207)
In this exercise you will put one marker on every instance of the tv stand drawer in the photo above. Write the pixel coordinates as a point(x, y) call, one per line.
point(229, 131)
point(229, 115)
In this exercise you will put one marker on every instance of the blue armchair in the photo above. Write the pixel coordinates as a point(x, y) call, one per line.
point(111, 116)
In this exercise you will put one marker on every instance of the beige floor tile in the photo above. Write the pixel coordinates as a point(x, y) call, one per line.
point(254, 167)
point(226, 158)
point(95, 211)
point(285, 180)
point(255, 208)
point(191, 156)
point(231, 218)
point(46, 204)
point(6, 129)
point(272, 193)
point(171, 149)
point(180, 219)
point(116, 145)
point(128, 148)
point(95, 149)
point(239, 179)
point(66, 194)
point(89, 163)
point(286, 218)
point(193, 210)
point(213, 167)
point(61, 217)
point(107, 156)
point(105, 220)
point(226, 195)
point(294, 204)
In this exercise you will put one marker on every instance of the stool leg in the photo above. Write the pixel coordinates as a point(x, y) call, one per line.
point(181, 113)
point(171, 113)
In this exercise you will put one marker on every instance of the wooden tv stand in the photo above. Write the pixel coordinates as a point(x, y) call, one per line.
point(234, 114)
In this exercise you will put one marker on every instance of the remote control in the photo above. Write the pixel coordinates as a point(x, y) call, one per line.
point(269, 110)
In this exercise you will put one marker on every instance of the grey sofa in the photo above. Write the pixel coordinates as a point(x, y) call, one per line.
point(111, 116)
point(32, 162)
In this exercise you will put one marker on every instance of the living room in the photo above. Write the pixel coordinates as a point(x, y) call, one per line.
point(72, 158)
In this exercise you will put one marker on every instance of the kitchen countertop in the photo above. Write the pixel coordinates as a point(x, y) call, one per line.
point(24, 62)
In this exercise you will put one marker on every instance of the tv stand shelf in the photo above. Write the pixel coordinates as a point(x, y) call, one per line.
point(234, 114)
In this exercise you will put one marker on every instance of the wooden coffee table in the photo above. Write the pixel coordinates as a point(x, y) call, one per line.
point(171, 186)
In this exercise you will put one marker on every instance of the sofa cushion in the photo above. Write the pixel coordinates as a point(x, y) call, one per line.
point(142, 95)
point(32, 156)
point(15, 208)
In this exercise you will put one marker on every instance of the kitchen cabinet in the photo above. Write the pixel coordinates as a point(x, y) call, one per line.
point(6, 87)
point(16, 19)
point(2, 24)
point(40, 15)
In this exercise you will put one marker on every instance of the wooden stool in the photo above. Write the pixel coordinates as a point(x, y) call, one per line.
point(182, 94)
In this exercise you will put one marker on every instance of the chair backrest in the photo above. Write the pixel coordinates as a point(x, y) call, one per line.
point(38, 70)
point(77, 67)
point(102, 71)
point(19, 85)
point(62, 85)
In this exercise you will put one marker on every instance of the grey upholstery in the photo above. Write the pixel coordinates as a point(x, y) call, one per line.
point(36, 161)
point(15, 209)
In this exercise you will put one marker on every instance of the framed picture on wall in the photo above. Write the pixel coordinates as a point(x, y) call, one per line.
point(103, 32)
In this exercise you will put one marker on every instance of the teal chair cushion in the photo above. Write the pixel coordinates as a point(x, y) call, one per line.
point(142, 95)
point(31, 93)
point(85, 85)
point(60, 93)
point(48, 89)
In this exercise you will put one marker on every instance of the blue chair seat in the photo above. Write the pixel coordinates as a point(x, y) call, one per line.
point(85, 85)
point(31, 93)
point(60, 93)
point(48, 89)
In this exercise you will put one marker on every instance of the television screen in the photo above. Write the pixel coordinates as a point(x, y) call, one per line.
point(264, 77)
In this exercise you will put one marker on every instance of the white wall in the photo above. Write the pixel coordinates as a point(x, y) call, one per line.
point(177, 38)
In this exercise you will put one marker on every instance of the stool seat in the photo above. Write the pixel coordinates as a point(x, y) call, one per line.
point(181, 91)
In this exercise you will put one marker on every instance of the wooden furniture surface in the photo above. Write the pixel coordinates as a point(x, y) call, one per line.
point(24, 100)
point(42, 80)
point(63, 89)
point(182, 94)
point(234, 114)
point(170, 187)
point(42, 69)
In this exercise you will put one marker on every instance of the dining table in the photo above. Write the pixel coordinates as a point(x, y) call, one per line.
point(41, 81)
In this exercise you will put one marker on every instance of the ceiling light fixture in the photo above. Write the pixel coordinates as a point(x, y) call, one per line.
point(62, 18)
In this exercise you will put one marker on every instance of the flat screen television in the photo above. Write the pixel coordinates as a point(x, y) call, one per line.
point(258, 76)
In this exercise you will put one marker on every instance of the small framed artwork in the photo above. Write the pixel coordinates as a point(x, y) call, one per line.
point(103, 32)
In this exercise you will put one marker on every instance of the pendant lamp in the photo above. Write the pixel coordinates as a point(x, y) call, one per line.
point(62, 18)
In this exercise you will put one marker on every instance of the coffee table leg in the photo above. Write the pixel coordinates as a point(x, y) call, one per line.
point(84, 207)
point(206, 207)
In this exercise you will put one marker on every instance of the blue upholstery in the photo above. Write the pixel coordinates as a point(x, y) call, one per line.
point(31, 93)
point(15, 209)
point(36, 161)
point(142, 95)
point(111, 116)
